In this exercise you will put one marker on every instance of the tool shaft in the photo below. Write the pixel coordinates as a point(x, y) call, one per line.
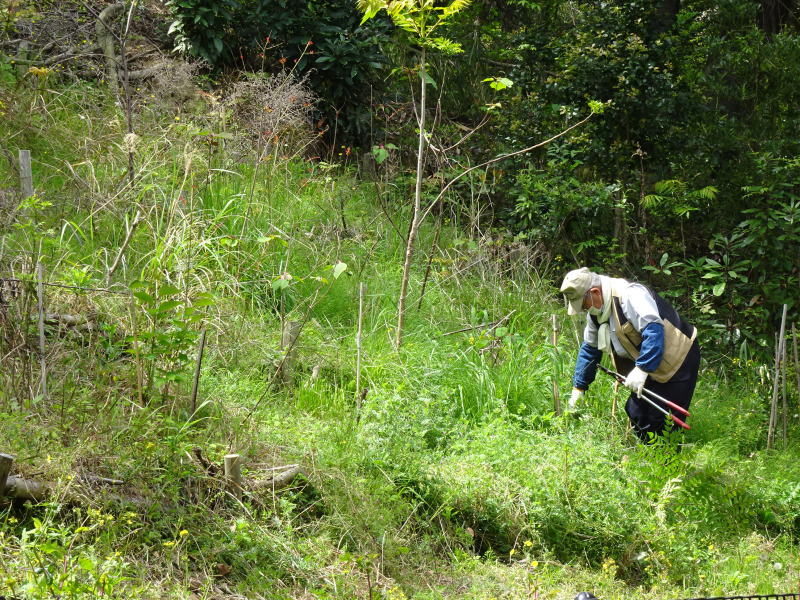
point(652, 394)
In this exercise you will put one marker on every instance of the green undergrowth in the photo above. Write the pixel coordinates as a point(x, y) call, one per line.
point(449, 477)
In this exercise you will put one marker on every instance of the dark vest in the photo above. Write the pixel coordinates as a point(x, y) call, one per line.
point(678, 337)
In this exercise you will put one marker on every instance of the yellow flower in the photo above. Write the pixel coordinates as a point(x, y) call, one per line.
point(168, 544)
point(528, 543)
point(183, 533)
point(512, 552)
point(39, 71)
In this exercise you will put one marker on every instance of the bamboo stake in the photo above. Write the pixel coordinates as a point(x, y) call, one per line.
point(773, 417)
point(42, 358)
point(198, 364)
point(556, 397)
point(358, 345)
point(233, 475)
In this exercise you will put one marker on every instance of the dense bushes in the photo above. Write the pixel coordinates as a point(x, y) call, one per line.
point(322, 41)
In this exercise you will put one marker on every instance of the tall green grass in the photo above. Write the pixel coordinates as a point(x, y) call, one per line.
point(451, 478)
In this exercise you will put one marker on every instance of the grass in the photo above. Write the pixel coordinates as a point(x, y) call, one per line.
point(452, 478)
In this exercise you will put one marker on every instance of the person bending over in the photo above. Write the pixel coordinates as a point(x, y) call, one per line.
point(646, 338)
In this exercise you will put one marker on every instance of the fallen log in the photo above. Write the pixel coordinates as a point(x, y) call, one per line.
point(279, 480)
point(19, 488)
point(26, 489)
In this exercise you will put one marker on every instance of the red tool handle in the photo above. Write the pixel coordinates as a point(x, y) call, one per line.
point(669, 403)
point(675, 419)
point(672, 405)
point(678, 422)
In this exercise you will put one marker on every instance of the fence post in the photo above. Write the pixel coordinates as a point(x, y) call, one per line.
point(25, 174)
point(233, 475)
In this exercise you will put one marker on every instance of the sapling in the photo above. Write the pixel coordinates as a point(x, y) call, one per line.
point(422, 19)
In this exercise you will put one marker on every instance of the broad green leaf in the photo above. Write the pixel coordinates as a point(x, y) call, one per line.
point(280, 284)
point(168, 290)
point(380, 154)
point(144, 297)
point(719, 288)
point(338, 269)
point(425, 76)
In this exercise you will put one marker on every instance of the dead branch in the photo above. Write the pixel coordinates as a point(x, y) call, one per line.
point(147, 72)
point(491, 325)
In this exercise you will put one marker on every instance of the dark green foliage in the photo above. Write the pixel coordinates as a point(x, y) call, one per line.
point(322, 40)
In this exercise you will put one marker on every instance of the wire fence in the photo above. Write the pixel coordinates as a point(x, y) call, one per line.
point(795, 596)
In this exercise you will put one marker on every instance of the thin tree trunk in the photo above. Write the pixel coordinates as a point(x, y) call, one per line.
point(105, 39)
point(415, 219)
point(123, 53)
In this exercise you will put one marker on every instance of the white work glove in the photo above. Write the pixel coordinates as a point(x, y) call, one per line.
point(635, 380)
point(574, 398)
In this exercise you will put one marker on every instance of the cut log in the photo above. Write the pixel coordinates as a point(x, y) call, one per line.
point(279, 480)
point(233, 475)
point(6, 460)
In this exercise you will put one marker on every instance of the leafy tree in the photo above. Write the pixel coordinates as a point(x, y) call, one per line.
point(322, 40)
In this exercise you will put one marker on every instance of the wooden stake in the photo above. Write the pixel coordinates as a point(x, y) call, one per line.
point(773, 415)
point(796, 362)
point(197, 366)
point(233, 475)
point(358, 345)
point(25, 174)
point(785, 403)
point(291, 331)
point(6, 460)
point(556, 397)
point(42, 358)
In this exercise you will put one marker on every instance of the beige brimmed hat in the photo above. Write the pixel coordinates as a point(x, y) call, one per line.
point(574, 287)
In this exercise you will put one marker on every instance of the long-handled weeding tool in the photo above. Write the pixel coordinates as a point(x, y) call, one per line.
point(646, 393)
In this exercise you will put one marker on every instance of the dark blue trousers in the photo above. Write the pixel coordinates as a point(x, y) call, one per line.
point(649, 422)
